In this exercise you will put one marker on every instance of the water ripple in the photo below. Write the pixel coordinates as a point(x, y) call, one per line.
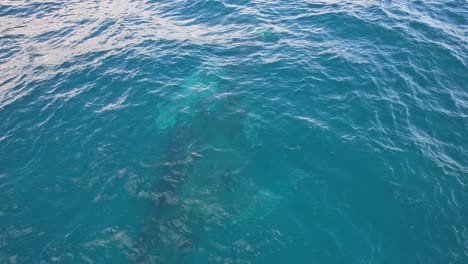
point(231, 131)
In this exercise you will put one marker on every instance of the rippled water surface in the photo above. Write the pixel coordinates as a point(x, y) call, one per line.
point(222, 131)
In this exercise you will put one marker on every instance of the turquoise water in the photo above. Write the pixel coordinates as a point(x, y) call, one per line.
point(221, 131)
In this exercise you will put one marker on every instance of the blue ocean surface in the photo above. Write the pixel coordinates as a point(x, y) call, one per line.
point(234, 131)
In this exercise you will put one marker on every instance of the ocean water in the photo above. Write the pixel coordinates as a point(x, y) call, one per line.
point(223, 131)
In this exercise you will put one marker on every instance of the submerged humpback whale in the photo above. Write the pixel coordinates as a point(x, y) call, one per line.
point(196, 189)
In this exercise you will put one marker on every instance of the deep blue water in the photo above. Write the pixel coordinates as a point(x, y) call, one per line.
point(221, 131)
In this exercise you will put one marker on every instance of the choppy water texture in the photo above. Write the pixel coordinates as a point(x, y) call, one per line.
point(219, 131)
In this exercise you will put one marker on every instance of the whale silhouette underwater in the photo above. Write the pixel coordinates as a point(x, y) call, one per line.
point(190, 193)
